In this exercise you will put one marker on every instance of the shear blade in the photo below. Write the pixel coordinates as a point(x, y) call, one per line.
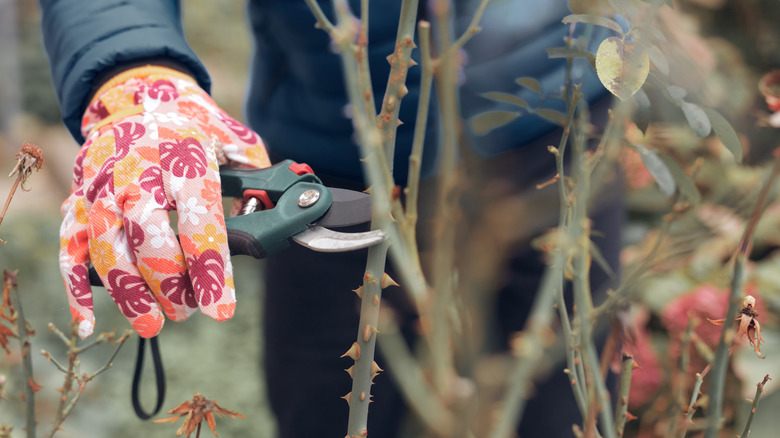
point(323, 239)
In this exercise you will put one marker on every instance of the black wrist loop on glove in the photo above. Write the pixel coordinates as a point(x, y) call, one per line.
point(159, 375)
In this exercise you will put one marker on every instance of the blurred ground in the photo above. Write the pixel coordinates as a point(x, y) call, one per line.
point(221, 360)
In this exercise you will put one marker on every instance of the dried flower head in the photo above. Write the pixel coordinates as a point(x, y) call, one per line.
point(29, 157)
point(747, 324)
point(194, 411)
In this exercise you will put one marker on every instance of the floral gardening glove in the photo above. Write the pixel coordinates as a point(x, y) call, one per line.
point(154, 142)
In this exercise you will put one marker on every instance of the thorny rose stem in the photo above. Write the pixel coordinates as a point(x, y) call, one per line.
point(24, 343)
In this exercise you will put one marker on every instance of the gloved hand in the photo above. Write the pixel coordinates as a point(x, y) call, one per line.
point(154, 142)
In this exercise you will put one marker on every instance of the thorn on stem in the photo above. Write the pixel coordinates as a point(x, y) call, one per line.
point(353, 352)
point(388, 281)
point(375, 370)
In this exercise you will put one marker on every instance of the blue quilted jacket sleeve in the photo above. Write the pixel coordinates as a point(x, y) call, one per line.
point(85, 38)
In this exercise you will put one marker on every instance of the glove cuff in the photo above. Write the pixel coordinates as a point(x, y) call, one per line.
point(119, 96)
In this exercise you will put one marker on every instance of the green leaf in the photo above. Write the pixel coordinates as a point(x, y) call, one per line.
point(488, 121)
point(725, 133)
point(683, 181)
point(643, 110)
point(596, 20)
point(622, 66)
point(657, 168)
point(531, 83)
point(697, 118)
point(659, 60)
point(556, 117)
point(677, 93)
point(505, 97)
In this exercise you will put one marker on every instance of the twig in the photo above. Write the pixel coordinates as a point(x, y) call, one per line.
point(579, 233)
point(621, 407)
point(400, 61)
point(473, 28)
point(694, 398)
point(10, 283)
point(410, 377)
point(387, 121)
point(70, 375)
point(361, 57)
point(415, 158)
point(533, 343)
point(57, 332)
point(679, 380)
point(364, 348)
point(445, 208)
point(110, 362)
point(378, 175)
point(619, 294)
point(573, 361)
point(322, 20)
point(759, 390)
point(66, 405)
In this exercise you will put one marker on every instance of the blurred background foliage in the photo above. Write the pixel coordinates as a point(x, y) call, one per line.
point(729, 45)
point(221, 361)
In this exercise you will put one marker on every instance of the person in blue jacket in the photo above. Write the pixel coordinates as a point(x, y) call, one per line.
point(295, 102)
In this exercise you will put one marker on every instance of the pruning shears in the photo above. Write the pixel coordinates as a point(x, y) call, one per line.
point(282, 203)
point(288, 202)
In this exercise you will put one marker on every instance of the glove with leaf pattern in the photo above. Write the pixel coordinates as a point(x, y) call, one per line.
point(154, 143)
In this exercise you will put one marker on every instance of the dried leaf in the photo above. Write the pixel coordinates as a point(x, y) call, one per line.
point(505, 97)
point(6, 333)
point(530, 83)
point(195, 411)
point(556, 117)
point(622, 66)
point(488, 121)
point(33, 385)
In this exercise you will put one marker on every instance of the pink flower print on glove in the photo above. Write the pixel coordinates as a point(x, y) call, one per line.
point(154, 143)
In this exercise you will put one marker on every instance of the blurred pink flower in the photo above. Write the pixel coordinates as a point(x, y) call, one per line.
point(705, 302)
point(646, 379)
